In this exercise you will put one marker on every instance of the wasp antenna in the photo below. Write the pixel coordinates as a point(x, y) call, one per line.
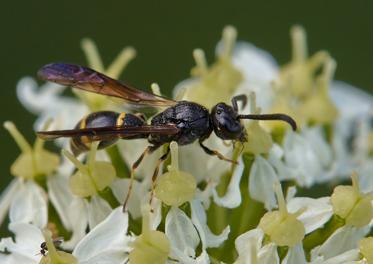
point(281, 117)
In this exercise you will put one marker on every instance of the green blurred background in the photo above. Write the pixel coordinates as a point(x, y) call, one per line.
point(164, 34)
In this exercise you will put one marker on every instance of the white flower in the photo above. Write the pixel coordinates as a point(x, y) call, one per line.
point(342, 240)
point(250, 249)
point(106, 243)
point(261, 181)
point(199, 220)
point(316, 212)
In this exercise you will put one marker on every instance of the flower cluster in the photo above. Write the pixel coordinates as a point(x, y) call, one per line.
point(260, 209)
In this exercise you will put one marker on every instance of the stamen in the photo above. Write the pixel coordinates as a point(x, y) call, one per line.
point(280, 199)
point(121, 62)
point(91, 52)
point(75, 161)
point(355, 182)
point(174, 156)
point(229, 40)
point(92, 154)
point(18, 137)
point(298, 36)
point(201, 63)
point(39, 142)
point(155, 89)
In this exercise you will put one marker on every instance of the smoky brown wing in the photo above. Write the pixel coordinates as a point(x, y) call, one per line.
point(103, 133)
point(89, 80)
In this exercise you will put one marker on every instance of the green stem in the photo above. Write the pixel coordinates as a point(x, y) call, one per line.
point(107, 195)
point(319, 236)
point(118, 162)
point(245, 217)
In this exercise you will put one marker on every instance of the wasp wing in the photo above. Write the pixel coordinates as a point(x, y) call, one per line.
point(102, 133)
point(89, 80)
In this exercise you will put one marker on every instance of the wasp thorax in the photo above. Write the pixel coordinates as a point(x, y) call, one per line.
point(102, 119)
point(226, 124)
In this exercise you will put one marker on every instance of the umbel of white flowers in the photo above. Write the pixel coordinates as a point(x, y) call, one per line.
point(205, 210)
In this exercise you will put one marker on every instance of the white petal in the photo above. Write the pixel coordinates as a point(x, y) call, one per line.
point(232, 197)
point(7, 197)
point(342, 240)
point(295, 255)
point(248, 246)
point(78, 217)
point(202, 166)
point(200, 221)
point(365, 176)
point(261, 181)
point(61, 197)
point(98, 210)
point(120, 190)
point(317, 213)
point(316, 136)
point(71, 209)
point(300, 157)
point(348, 257)
point(107, 242)
point(275, 157)
point(268, 254)
point(259, 69)
point(350, 100)
point(29, 205)
point(34, 99)
point(182, 234)
point(27, 242)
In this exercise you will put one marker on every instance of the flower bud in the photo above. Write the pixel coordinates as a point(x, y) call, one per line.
point(91, 177)
point(175, 187)
point(151, 246)
point(282, 227)
point(33, 161)
point(218, 82)
point(352, 205)
point(366, 248)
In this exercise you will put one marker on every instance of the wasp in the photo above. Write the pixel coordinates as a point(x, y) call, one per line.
point(181, 121)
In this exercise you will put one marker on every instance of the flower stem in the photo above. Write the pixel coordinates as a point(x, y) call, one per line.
point(321, 235)
point(118, 162)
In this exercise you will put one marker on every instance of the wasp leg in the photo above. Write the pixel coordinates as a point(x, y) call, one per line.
point(148, 150)
point(215, 153)
point(155, 174)
point(239, 98)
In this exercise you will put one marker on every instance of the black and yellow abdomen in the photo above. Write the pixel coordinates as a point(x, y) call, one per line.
point(102, 119)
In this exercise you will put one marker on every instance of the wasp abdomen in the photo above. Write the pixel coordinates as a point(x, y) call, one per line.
point(102, 119)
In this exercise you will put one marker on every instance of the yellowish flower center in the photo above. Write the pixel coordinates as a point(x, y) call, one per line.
point(282, 227)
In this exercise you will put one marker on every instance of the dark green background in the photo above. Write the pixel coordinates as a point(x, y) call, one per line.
point(164, 33)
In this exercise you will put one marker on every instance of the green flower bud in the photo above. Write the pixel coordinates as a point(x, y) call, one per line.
point(366, 248)
point(175, 187)
point(150, 247)
point(282, 227)
point(259, 141)
point(33, 161)
point(91, 177)
point(352, 205)
point(94, 101)
point(218, 82)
